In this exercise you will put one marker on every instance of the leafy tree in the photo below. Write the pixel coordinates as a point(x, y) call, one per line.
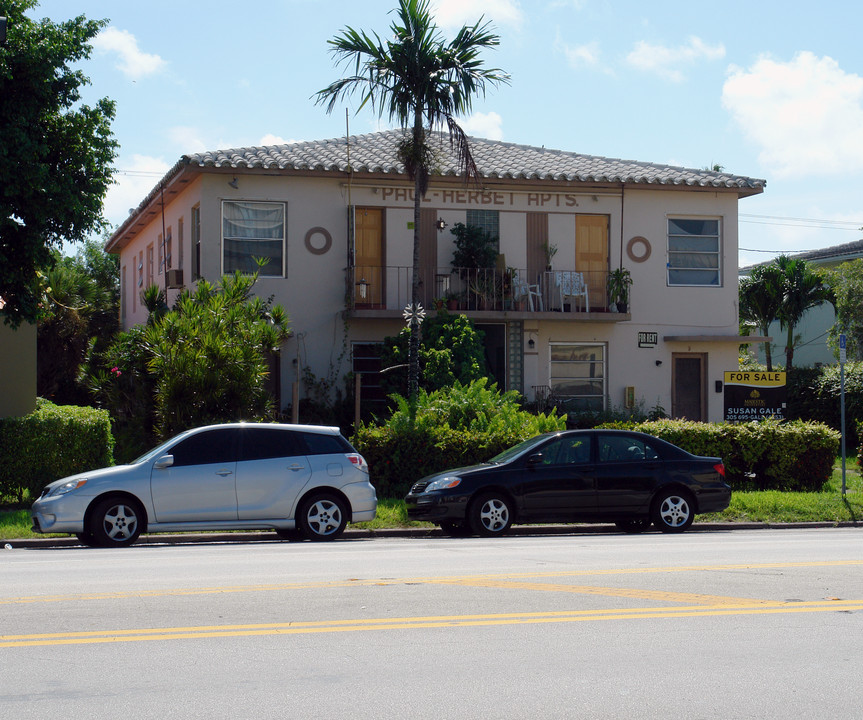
point(80, 308)
point(419, 81)
point(846, 280)
point(760, 301)
point(204, 361)
point(450, 351)
point(803, 288)
point(55, 153)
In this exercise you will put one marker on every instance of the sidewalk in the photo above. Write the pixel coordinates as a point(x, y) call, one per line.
point(361, 534)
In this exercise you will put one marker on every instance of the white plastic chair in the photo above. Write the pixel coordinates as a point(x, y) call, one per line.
point(521, 289)
point(571, 284)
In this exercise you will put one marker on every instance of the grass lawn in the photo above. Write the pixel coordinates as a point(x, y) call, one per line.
point(769, 506)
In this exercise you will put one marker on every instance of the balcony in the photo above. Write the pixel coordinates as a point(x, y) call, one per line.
point(383, 292)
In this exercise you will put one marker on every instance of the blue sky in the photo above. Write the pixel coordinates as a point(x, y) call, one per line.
point(768, 89)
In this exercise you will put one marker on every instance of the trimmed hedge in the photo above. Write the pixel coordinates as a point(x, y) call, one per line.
point(765, 455)
point(50, 443)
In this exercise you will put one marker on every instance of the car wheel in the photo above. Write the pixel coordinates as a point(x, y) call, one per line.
point(115, 522)
point(633, 526)
point(455, 529)
point(294, 535)
point(490, 515)
point(673, 511)
point(323, 517)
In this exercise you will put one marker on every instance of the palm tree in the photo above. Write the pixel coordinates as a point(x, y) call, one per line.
point(802, 289)
point(760, 301)
point(420, 82)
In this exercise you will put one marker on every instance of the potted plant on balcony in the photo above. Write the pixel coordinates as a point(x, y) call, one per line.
point(452, 298)
point(619, 282)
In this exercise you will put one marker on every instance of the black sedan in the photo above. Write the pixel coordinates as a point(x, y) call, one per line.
point(627, 478)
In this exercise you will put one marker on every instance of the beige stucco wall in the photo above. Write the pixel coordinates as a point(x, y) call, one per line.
point(17, 370)
point(313, 291)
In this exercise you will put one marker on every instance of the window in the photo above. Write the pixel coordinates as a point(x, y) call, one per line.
point(320, 444)
point(123, 290)
point(693, 252)
point(180, 243)
point(571, 450)
point(253, 230)
point(196, 242)
point(578, 376)
point(488, 220)
point(161, 244)
point(169, 241)
point(266, 443)
point(211, 446)
point(149, 265)
point(619, 448)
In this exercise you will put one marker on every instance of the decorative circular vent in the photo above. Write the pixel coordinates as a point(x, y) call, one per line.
point(638, 249)
point(318, 245)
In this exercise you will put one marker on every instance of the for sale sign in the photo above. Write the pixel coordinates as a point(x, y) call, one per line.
point(754, 395)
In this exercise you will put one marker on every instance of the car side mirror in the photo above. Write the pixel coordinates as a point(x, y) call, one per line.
point(535, 459)
point(164, 462)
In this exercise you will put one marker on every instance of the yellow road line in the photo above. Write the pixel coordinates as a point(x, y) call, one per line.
point(331, 626)
point(456, 579)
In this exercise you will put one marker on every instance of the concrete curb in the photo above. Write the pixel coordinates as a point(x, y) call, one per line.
point(360, 534)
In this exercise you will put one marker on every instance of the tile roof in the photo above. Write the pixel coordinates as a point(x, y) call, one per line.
point(833, 254)
point(376, 153)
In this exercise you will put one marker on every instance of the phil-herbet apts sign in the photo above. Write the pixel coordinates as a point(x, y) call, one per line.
point(754, 396)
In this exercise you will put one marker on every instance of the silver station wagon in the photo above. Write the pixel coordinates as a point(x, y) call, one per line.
point(303, 481)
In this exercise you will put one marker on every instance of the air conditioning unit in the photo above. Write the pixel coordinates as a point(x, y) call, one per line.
point(175, 279)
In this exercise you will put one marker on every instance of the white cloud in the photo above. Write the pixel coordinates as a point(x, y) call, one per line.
point(134, 179)
point(452, 14)
point(188, 139)
point(806, 115)
point(132, 62)
point(485, 125)
point(667, 62)
point(270, 139)
point(579, 56)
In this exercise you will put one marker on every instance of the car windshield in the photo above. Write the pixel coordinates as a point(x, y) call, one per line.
point(517, 450)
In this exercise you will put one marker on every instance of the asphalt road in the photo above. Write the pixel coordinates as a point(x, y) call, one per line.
point(724, 624)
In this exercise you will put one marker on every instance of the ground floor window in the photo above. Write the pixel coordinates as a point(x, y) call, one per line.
point(366, 365)
point(250, 231)
point(578, 375)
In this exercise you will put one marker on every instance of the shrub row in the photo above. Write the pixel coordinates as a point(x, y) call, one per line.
point(52, 442)
point(766, 455)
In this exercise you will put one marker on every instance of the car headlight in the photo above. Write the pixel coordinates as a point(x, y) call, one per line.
point(443, 484)
point(67, 487)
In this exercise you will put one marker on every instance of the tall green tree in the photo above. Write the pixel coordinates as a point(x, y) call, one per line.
point(761, 295)
point(846, 280)
point(803, 288)
point(422, 82)
point(55, 153)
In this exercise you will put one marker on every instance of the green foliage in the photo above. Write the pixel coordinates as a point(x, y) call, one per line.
point(760, 301)
point(815, 394)
point(846, 281)
point(204, 361)
point(80, 304)
point(455, 426)
point(450, 350)
point(761, 455)
point(475, 247)
point(50, 443)
point(56, 155)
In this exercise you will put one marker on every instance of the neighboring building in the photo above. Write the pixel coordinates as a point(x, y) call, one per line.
point(17, 369)
point(812, 331)
point(335, 220)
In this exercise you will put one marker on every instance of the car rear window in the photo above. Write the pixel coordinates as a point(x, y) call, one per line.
point(266, 443)
point(320, 444)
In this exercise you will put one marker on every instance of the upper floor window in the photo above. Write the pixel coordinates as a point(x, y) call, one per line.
point(693, 252)
point(253, 230)
point(196, 242)
point(488, 220)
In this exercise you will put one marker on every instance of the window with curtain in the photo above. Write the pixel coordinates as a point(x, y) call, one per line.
point(693, 252)
point(578, 375)
point(253, 230)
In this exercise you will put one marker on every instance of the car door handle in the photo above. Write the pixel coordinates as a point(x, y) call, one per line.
point(224, 473)
point(296, 468)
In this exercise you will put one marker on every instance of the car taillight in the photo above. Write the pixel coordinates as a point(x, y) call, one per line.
point(720, 468)
point(359, 461)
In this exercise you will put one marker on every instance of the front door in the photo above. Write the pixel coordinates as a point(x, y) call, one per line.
point(688, 397)
point(591, 255)
point(369, 256)
point(430, 287)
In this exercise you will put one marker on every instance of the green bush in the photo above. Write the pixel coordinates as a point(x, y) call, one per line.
point(456, 426)
point(52, 442)
point(766, 455)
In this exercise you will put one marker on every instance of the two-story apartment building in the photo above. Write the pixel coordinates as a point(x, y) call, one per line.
point(334, 218)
